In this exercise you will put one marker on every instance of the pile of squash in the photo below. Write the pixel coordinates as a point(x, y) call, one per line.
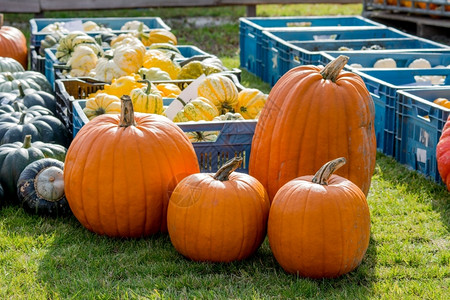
point(153, 55)
point(33, 141)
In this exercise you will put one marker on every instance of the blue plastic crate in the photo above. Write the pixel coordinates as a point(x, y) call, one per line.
point(419, 128)
point(368, 58)
point(36, 25)
point(251, 29)
point(281, 55)
point(277, 46)
point(234, 138)
point(50, 60)
point(383, 85)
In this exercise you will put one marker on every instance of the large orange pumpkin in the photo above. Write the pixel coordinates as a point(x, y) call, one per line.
point(443, 154)
point(312, 115)
point(218, 217)
point(319, 226)
point(13, 44)
point(120, 171)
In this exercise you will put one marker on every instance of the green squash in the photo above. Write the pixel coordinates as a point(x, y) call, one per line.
point(194, 69)
point(29, 79)
point(46, 128)
point(8, 64)
point(14, 157)
point(40, 188)
point(2, 194)
point(16, 109)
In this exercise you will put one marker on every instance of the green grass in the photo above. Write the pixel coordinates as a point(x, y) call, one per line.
point(408, 255)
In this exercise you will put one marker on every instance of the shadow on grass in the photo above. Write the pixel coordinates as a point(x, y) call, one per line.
point(415, 183)
point(80, 264)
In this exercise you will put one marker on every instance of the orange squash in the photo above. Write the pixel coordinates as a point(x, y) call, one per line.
point(319, 226)
point(120, 171)
point(218, 217)
point(314, 114)
point(13, 44)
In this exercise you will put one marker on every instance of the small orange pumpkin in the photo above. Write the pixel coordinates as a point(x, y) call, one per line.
point(13, 44)
point(319, 226)
point(218, 217)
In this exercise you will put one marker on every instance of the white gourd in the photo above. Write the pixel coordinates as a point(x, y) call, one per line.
point(385, 63)
point(420, 63)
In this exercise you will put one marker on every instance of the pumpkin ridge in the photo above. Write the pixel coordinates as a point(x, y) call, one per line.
point(80, 211)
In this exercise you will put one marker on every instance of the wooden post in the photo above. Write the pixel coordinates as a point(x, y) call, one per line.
point(251, 10)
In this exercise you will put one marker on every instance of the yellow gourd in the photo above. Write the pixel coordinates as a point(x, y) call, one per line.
point(102, 104)
point(197, 110)
point(147, 99)
point(250, 103)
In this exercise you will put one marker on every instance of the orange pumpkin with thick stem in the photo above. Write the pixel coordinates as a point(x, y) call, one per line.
point(443, 154)
point(120, 171)
point(319, 226)
point(13, 44)
point(312, 115)
point(218, 217)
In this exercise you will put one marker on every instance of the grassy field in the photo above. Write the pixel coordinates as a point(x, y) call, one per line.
point(408, 255)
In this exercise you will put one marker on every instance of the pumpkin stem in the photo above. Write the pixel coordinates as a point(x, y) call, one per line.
point(224, 172)
point(332, 70)
point(1, 20)
point(17, 106)
point(126, 112)
point(149, 85)
point(27, 141)
point(325, 172)
point(22, 118)
point(21, 92)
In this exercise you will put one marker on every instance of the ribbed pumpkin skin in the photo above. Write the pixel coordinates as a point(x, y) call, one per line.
point(220, 90)
point(443, 154)
point(308, 121)
point(13, 44)
point(219, 221)
point(319, 231)
point(118, 180)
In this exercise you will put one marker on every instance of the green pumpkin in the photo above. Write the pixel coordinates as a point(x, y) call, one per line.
point(2, 194)
point(40, 188)
point(8, 64)
point(29, 79)
point(47, 129)
point(14, 157)
point(16, 109)
point(29, 97)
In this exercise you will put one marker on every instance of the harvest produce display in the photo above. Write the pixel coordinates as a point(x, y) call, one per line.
point(132, 170)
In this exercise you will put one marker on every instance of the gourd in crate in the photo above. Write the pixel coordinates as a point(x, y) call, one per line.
point(221, 91)
point(314, 114)
point(121, 169)
point(319, 226)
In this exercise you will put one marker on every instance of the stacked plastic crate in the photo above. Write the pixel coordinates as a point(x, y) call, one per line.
point(407, 122)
